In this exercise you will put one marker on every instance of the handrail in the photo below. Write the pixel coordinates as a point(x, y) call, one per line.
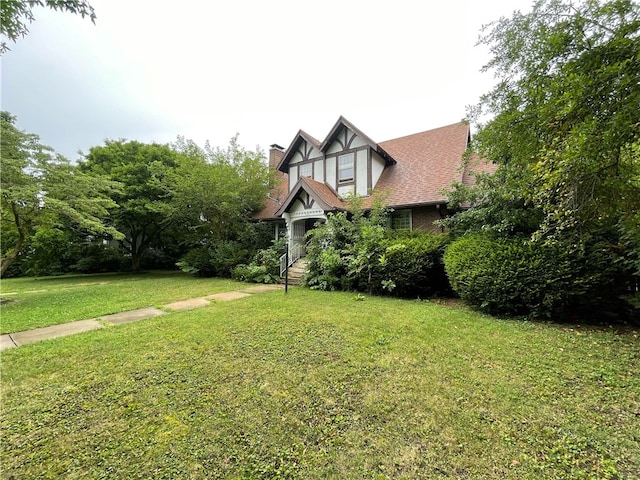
point(294, 255)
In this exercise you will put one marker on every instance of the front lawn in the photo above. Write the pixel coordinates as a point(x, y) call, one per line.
point(39, 302)
point(315, 385)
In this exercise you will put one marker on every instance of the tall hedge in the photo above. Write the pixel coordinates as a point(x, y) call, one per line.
point(413, 267)
point(515, 276)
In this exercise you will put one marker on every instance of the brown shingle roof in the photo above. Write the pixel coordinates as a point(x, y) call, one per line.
point(476, 165)
point(324, 195)
point(427, 164)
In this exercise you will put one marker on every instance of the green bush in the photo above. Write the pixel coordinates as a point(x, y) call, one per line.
point(515, 276)
point(217, 260)
point(99, 258)
point(264, 267)
point(413, 267)
point(499, 276)
point(361, 254)
point(328, 247)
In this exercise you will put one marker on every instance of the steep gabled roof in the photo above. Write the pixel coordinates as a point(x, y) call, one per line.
point(301, 136)
point(342, 122)
point(419, 168)
point(322, 194)
point(427, 163)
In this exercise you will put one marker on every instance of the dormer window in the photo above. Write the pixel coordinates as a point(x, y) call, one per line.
point(345, 168)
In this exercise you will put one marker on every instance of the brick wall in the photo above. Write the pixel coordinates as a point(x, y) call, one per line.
point(423, 218)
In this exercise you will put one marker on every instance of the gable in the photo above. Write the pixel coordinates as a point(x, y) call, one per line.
point(348, 161)
point(344, 139)
point(303, 148)
point(310, 197)
point(304, 151)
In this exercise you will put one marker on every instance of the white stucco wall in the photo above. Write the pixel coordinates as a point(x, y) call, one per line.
point(377, 166)
point(334, 148)
point(345, 190)
point(296, 158)
point(318, 170)
point(357, 142)
point(315, 152)
point(361, 173)
point(293, 176)
point(331, 172)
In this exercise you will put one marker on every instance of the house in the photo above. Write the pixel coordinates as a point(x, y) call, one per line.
point(314, 177)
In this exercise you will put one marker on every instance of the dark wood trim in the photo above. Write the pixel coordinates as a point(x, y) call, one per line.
point(350, 141)
point(369, 171)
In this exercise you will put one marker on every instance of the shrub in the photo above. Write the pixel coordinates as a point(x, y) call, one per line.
point(364, 267)
point(264, 267)
point(413, 266)
point(99, 258)
point(361, 254)
point(197, 262)
point(498, 276)
point(328, 246)
point(515, 276)
point(216, 260)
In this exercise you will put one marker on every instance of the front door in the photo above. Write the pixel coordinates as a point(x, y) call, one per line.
point(300, 229)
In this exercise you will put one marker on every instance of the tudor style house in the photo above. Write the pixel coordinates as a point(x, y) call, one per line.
point(411, 172)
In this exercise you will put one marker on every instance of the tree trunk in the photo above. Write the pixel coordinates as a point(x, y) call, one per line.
point(135, 261)
point(5, 262)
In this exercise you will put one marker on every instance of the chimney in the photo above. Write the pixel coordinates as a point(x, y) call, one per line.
point(276, 152)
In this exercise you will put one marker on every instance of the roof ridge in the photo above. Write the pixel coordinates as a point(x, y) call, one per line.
point(461, 122)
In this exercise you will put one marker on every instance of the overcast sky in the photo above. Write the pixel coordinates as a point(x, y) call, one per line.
point(151, 70)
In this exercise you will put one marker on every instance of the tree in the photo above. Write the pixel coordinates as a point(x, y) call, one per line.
point(41, 188)
point(15, 15)
point(147, 173)
point(564, 128)
point(566, 109)
point(218, 192)
point(220, 189)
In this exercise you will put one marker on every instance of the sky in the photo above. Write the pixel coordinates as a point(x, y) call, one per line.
point(207, 70)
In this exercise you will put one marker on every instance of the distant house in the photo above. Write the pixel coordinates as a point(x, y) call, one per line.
point(413, 171)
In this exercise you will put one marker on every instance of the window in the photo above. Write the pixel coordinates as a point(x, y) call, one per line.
point(401, 220)
point(305, 170)
point(345, 168)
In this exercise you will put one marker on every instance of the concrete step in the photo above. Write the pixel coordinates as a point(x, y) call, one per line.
point(296, 272)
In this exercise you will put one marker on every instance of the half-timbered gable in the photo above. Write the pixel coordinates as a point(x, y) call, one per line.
point(347, 160)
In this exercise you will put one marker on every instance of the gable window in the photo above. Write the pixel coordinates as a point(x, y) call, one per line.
point(305, 170)
point(345, 168)
point(401, 220)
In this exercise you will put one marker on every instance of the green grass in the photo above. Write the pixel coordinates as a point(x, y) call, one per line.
point(315, 385)
point(31, 303)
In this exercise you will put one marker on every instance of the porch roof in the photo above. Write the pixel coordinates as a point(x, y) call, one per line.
point(322, 194)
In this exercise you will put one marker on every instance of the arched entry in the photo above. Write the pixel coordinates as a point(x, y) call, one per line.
point(299, 231)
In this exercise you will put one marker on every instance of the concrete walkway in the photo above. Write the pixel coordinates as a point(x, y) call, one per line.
point(10, 340)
